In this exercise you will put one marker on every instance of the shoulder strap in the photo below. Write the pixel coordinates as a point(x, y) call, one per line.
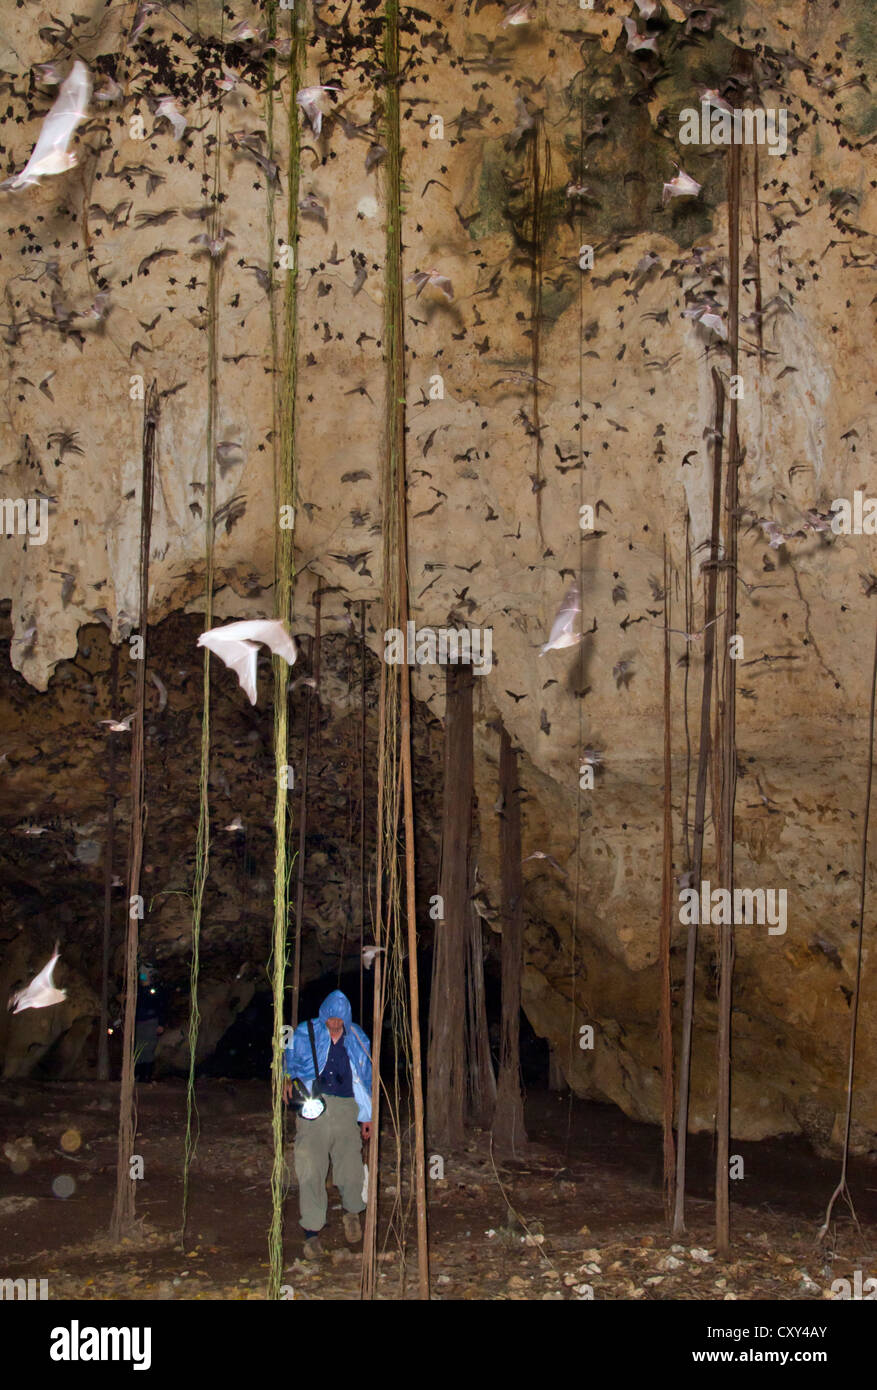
point(315, 1090)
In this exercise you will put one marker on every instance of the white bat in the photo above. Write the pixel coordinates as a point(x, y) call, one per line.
point(168, 108)
point(711, 97)
point(563, 633)
point(540, 854)
point(707, 315)
point(119, 726)
point(683, 186)
point(310, 100)
point(637, 41)
point(40, 993)
point(517, 14)
point(368, 955)
point(50, 152)
point(238, 646)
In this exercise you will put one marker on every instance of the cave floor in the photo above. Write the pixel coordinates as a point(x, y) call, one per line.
point(586, 1198)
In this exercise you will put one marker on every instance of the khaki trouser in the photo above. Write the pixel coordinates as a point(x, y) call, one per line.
point(333, 1135)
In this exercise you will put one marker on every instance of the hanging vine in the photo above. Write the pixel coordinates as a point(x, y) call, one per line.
point(202, 841)
point(285, 496)
point(726, 741)
point(395, 782)
point(126, 1186)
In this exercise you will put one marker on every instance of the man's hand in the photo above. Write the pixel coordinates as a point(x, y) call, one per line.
point(287, 1089)
point(366, 1128)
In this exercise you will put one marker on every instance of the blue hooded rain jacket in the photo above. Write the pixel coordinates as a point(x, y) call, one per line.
point(299, 1062)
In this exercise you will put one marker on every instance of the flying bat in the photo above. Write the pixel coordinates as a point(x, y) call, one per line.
point(310, 100)
point(683, 186)
point(422, 278)
point(168, 108)
point(563, 633)
point(368, 955)
point(637, 42)
point(707, 314)
point(50, 154)
point(516, 14)
point(40, 993)
point(237, 644)
point(540, 854)
point(119, 726)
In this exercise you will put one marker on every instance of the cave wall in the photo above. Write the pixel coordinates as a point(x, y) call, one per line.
point(623, 401)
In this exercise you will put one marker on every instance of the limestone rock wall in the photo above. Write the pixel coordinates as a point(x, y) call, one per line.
point(500, 464)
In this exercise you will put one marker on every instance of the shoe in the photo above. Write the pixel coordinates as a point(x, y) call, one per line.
point(313, 1249)
point(352, 1233)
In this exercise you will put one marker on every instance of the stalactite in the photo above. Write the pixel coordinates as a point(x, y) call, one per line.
point(509, 1134)
point(122, 1221)
point(480, 1079)
point(446, 1057)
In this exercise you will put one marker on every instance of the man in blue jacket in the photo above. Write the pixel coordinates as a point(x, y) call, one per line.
point(344, 1069)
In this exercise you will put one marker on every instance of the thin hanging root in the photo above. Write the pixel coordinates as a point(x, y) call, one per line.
point(703, 761)
point(103, 1055)
point(202, 842)
point(395, 786)
point(362, 809)
point(285, 495)
point(689, 609)
point(300, 868)
point(842, 1189)
point(666, 1012)
point(122, 1220)
point(726, 742)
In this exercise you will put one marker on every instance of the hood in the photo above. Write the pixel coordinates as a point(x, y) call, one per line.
point(336, 1005)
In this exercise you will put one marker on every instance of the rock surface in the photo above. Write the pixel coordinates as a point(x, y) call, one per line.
point(498, 471)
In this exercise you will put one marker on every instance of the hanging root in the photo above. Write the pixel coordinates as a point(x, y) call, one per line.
point(202, 842)
point(285, 495)
point(842, 1188)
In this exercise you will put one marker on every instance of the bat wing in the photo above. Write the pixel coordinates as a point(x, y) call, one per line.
point(563, 633)
point(243, 659)
point(62, 120)
point(268, 630)
point(442, 283)
point(40, 993)
point(240, 657)
point(237, 645)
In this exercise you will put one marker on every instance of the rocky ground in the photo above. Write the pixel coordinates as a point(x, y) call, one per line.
point(579, 1217)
